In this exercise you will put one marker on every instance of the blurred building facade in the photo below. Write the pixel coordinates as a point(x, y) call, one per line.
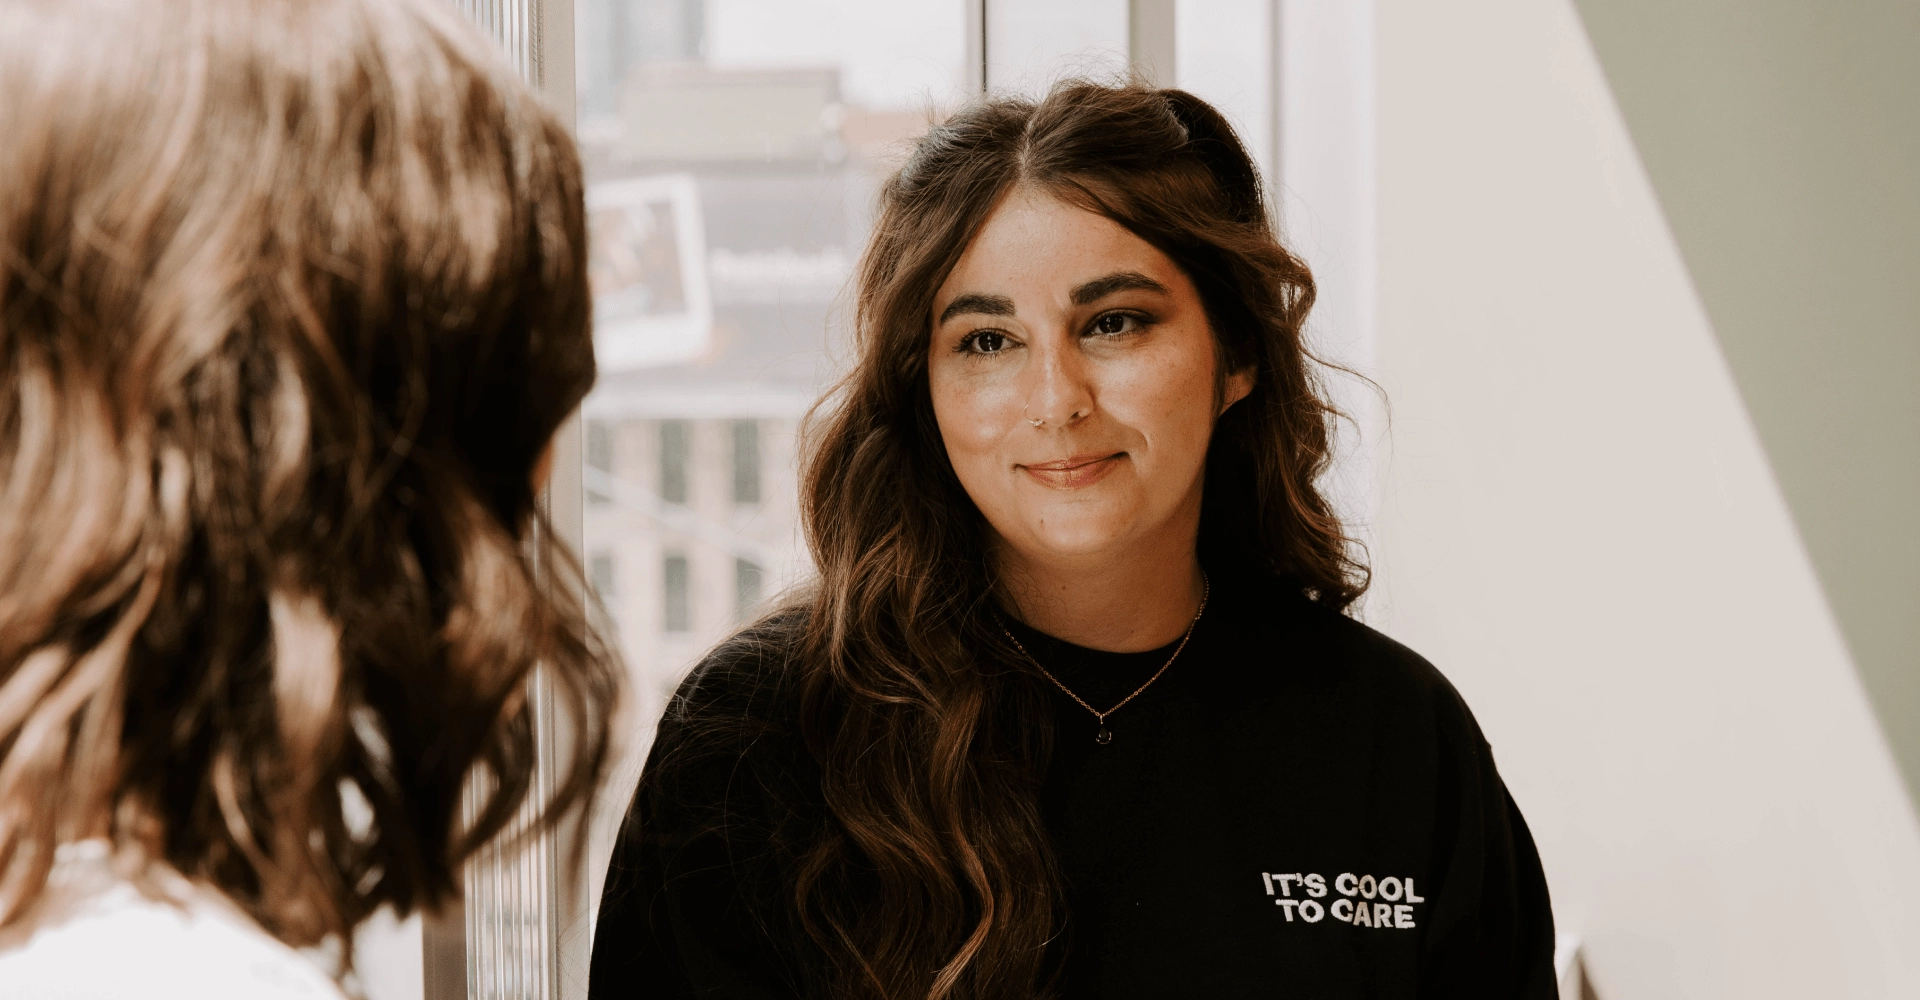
point(728, 207)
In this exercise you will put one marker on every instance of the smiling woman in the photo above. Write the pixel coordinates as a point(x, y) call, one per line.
point(1074, 709)
point(1076, 400)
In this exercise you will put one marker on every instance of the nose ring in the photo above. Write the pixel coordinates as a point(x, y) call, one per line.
point(1030, 420)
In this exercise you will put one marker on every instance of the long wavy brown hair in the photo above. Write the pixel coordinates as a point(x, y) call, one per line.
point(934, 877)
point(293, 297)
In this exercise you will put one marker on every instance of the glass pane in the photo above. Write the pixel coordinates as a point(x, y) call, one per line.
point(599, 471)
point(733, 150)
point(1224, 53)
point(677, 616)
point(600, 574)
point(674, 445)
point(1032, 43)
point(746, 461)
point(746, 588)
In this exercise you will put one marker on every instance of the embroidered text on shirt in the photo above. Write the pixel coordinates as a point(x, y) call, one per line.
point(1355, 904)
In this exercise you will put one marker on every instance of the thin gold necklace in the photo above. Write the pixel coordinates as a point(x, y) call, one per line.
point(1105, 735)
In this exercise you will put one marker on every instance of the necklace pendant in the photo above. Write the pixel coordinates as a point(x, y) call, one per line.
point(1104, 736)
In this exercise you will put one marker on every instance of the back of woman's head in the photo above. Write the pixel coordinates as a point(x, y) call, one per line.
point(935, 877)
point(292, 299)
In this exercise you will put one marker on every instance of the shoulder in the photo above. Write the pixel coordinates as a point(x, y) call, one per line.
point(732, 727)
point(97, 936)
point(1312, 654)
point(750, 680)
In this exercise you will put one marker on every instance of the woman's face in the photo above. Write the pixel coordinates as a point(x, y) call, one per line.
point(1059, 316)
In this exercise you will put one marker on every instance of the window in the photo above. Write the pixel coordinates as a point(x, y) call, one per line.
point(746, 588)
point(677, 587)
point(733, 150)
point(675, 443)
point(600, 574)
point(746, 461)
point(599, 462)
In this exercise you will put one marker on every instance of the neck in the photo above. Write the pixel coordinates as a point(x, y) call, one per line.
point(1126, 602)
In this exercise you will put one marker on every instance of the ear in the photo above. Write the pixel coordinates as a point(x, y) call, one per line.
point(1238, 385)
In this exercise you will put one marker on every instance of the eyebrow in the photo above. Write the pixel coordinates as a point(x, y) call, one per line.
point(1119, 281)
point(1083, 294)
point(985, 305)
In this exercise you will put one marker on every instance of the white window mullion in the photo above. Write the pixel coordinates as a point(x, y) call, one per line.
point(523, 933)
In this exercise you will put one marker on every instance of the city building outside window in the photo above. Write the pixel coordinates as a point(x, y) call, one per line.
point(675, 443)
point(600, 573)
point(746, 461)
point(733, 151)
point(677, 614)
point(599, 461)
point(746, 588)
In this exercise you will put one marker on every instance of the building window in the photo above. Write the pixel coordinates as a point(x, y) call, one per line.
point(675, 439)
point(599, 461)
point(679, 605)
point(746, 461)
point(747, 576)
point(600, 574)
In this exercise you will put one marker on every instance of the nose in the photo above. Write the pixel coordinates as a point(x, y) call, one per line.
point(1061, 394)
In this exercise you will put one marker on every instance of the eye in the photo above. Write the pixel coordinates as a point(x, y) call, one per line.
point(983, 342)
point(1116, 324)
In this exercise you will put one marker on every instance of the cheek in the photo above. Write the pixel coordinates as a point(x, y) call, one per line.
point(1169, 401)
point(973, 419)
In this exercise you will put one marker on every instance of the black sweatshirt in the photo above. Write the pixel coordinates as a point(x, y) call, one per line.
point(1299, 807)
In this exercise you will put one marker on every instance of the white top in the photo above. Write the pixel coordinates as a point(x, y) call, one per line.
point(95, 935)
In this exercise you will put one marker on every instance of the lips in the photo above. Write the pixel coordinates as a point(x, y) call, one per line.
point(1076, 472)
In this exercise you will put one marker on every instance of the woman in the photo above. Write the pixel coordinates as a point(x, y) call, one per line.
point(1073, 709)
point(292, 300)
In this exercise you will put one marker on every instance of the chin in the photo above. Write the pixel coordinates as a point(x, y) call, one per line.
point(1088, 534)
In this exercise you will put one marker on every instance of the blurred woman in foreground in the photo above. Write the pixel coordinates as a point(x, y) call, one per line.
point(292, 300)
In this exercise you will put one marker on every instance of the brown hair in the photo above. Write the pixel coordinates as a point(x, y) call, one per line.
point(935, 876)
point(292, 299)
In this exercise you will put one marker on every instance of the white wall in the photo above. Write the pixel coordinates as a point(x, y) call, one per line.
point(1578, 525)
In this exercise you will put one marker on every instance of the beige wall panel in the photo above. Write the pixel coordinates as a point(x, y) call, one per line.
point(1783, 139)
point(1578, 525)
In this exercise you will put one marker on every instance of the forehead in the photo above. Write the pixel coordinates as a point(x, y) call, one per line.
point(1034, 244)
